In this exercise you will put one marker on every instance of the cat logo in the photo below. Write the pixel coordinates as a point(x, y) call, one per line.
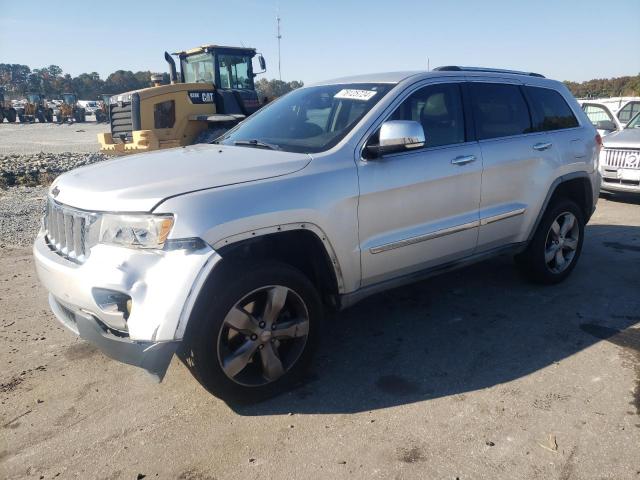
point(201, 97)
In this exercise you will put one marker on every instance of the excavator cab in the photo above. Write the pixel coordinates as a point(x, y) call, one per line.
point(229, 70)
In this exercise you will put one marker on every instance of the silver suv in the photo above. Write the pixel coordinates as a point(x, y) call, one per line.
point(235, 251)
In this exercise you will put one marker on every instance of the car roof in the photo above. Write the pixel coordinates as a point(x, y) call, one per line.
point(397, 77)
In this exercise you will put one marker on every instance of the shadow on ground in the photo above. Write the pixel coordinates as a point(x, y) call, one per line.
point(471, 329)
point(622, 197)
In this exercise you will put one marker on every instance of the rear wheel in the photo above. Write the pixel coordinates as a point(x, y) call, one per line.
point(11, 116)
point(258, 333)
point(556, 245)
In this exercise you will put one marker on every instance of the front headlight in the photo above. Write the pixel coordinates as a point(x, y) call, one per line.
point(135, 231)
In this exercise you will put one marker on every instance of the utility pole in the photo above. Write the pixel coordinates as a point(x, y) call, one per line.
point(428, 67)
point(278, 36)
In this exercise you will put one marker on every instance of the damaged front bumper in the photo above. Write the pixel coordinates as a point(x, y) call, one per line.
point(154, 357)
point(153, 294)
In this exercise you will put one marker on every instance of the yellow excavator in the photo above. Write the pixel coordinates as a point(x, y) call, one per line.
point(213, 92)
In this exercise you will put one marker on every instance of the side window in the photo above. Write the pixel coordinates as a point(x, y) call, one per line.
point(439, 109)
point(549, 110)
point(628, 111)
point(499, 110)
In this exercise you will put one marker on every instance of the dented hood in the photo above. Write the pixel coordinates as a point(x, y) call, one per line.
point(137, 183)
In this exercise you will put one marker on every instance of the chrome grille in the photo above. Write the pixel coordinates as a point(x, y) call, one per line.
point(621, 158)
point(66, 230)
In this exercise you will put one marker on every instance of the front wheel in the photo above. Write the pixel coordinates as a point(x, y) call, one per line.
point(258, 333)
point(556, 245)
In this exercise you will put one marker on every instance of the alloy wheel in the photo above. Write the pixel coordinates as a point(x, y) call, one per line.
point(562, 242)
point(263, 335)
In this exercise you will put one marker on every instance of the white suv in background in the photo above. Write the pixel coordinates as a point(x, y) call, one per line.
point(234, 251)
point(620, 159)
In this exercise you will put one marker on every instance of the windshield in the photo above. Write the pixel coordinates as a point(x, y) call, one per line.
point(198, 68)
point(308, 120)
point(635, 122)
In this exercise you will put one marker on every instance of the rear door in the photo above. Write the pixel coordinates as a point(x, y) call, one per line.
point(514, 161)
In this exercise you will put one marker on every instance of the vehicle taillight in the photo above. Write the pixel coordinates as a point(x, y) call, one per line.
point(598, 150)
point(598, 141)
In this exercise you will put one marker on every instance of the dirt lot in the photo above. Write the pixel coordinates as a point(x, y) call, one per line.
point(475, 374)
point(50, 137)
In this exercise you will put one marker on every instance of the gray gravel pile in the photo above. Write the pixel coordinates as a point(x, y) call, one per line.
point(41, 168)
point(21, 209)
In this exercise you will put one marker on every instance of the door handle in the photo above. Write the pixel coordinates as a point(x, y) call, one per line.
point(463, 160)
point(542, 146)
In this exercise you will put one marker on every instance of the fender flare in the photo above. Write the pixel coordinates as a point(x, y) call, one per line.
point(552, 189)
point(287, 227)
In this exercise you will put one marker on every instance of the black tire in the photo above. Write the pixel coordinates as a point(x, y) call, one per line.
point(49, 116)
point(40, 116)
point(1, 116)
point(11, 116)
point(203, 348)
point(21, 118)
point(532, 261)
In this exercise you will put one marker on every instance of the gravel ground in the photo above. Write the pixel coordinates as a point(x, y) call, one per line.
point(50, 137)
point(476, 374)
point(41, 168)
point(20, 212)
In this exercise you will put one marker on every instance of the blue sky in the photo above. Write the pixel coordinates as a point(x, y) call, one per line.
point(566, 40)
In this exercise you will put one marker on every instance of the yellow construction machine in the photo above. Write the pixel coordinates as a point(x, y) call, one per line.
point(35, 109)
point(69, 110)
point(213, 92)
point(6, 110)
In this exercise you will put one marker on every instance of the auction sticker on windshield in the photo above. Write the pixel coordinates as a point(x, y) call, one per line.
point(351, 94)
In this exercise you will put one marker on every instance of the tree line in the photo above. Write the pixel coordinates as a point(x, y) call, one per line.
point(606, 87)
point(19, 80)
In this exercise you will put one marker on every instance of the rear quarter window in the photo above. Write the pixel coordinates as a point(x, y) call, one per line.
point(499, 110)
point(549, 110)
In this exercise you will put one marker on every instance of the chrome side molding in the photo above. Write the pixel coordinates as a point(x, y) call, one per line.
point(446, 231)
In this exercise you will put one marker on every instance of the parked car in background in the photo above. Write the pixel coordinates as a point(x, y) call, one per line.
point(601, 117)
point(620, 159)
point(90, 106)
point(234, 250)
point(628, 110)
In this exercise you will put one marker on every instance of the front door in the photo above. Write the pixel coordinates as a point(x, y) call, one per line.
point(419, 208)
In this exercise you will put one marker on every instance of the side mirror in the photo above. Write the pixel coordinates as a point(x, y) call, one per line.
point(262, 62)
point(605, 125)
point(398, 136)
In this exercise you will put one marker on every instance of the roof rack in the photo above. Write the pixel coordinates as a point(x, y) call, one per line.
point(456, 68)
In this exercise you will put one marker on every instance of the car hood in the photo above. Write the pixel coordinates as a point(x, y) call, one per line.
point(627, 138)
point(137, 183)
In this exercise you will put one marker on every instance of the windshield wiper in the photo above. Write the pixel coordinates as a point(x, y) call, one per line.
point(257, 143)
